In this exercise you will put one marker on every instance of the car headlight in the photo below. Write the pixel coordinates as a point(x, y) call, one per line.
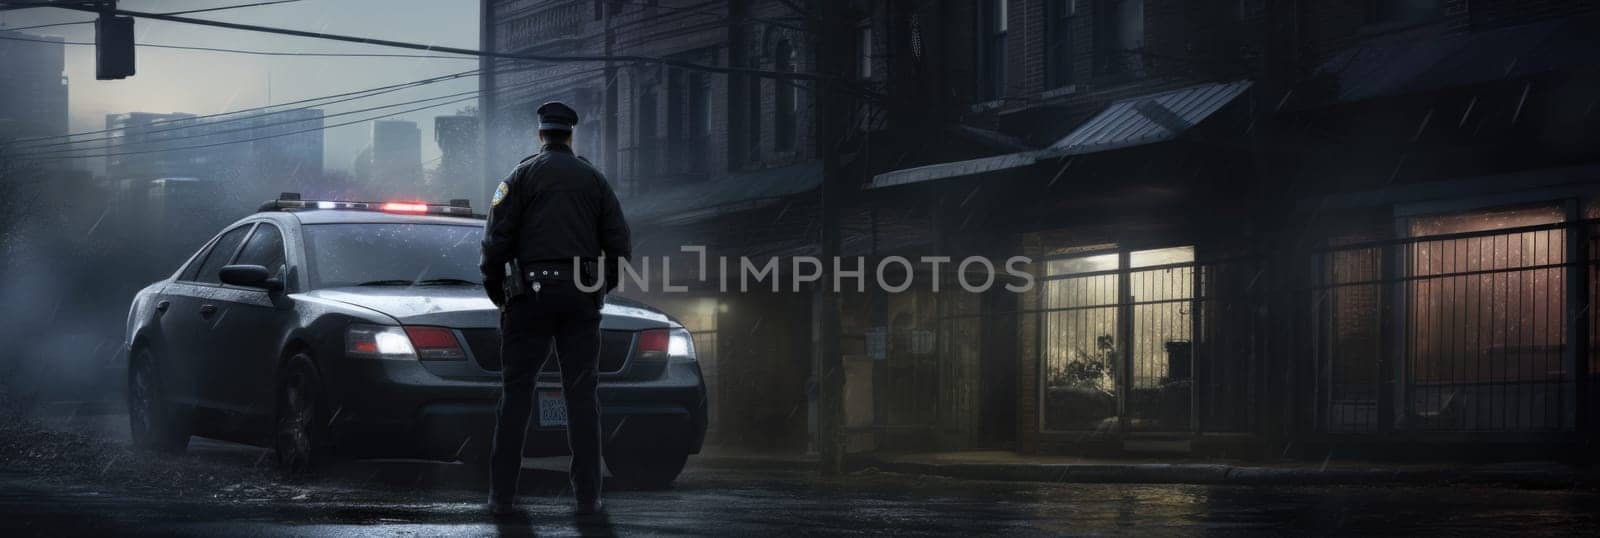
point(378, 342)
point(680, 345)
point(671, 343)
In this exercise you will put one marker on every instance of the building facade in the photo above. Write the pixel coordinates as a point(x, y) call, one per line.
point(698, 158)
point(175, 177)
point(456, 176)
point(278, 148)
point(1255, 231)
point(397, 157)
point(33, 86)
point(1254, 227)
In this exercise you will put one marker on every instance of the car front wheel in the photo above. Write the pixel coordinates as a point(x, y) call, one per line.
point(154, 423)
point(301, 439)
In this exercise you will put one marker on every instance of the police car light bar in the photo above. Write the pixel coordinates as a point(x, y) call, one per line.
point(291, 201)
point(405, 207)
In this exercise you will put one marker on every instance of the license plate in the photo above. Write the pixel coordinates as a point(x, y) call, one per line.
point(552, 409)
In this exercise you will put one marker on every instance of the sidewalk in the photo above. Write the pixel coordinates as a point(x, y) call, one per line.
point(722, 458)
point(1011, 466)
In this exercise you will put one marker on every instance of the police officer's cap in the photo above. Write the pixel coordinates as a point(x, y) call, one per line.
point(556, 116)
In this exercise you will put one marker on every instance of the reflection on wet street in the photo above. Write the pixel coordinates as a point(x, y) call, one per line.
point(428, 499)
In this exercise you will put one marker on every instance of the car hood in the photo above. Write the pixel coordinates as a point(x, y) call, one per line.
point(466, 307)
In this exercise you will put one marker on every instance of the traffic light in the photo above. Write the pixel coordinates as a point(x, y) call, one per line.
point(113, 47)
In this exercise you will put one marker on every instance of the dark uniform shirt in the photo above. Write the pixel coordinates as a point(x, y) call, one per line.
point(555, 206)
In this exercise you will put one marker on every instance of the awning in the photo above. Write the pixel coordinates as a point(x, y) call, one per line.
point(723, 194)
point(1126, 123)
point(1406, 63)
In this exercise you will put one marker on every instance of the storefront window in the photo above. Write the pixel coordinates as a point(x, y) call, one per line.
point(1352, 319)
point(1080, 342)
point(1485, 318)
point(1088, 352)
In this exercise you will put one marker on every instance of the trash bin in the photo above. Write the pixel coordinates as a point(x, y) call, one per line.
point(1180, 359)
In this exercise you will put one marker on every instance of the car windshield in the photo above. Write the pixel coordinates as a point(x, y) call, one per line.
point(371, 254)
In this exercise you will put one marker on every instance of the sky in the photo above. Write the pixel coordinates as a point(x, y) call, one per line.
point(210, 82)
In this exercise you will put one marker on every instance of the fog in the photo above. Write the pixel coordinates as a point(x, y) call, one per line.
point(205, 82)
point(77, 249)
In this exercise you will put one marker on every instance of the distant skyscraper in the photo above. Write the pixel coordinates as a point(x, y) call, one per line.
point(33, 87)
point(397, 156)
point(287, 149)
point(145, 145)
point(282, 148)
point(458, 173)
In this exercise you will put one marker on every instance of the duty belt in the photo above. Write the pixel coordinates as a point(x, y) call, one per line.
point(549, 271)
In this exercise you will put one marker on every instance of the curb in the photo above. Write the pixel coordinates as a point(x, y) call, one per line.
point(1224, 474)
point(755, 463)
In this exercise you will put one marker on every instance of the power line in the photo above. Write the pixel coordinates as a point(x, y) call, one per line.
point(670, 62)
point(10, 6)
point(236, 130)
point(191, 123)
point(401, 85)
point(252, 52)
point(203, 146)
point(209, 9)
point(237, 6)
point(325, 127)
point(36, 26)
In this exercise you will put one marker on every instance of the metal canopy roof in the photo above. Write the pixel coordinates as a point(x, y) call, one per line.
point(1407, 62)
point(1126, 123)
point(724, 194)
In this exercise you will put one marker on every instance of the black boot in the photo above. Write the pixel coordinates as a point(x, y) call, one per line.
point(589, 508)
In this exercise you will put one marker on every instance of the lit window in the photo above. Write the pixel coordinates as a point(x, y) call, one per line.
point(1485, 320)
point(1479, 306)
point(1091, 356)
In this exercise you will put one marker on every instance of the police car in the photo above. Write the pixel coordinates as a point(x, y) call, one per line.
point(323, 328)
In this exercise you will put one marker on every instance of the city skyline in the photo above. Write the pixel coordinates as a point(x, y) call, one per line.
point(206, 82)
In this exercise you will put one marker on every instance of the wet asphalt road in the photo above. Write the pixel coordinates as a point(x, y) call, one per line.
point(228, 497)
point(756, 502)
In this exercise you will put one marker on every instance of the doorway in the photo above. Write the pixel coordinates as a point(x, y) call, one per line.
point(1117, 340)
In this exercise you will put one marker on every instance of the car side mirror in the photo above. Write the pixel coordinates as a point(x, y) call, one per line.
point(250, 276)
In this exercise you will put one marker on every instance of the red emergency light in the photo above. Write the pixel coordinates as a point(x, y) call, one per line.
point(405, 207)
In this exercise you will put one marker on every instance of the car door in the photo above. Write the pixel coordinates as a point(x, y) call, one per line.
point(184, 315)
point(244, 337)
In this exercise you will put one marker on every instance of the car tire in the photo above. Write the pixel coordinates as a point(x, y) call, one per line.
point(646, 460)
point(153, 422)
point(301, 438)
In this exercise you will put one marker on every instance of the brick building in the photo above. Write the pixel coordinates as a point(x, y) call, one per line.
point(1243, 216)
point(698, 158)
point(1169, 164)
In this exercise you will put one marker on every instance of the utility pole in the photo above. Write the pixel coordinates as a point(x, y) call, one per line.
point(830, 129)
point(487, 82)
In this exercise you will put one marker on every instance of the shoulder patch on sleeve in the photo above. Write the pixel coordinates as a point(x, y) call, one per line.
point(499, 194)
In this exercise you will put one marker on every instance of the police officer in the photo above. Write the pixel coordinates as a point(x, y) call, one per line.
point(554, 213)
